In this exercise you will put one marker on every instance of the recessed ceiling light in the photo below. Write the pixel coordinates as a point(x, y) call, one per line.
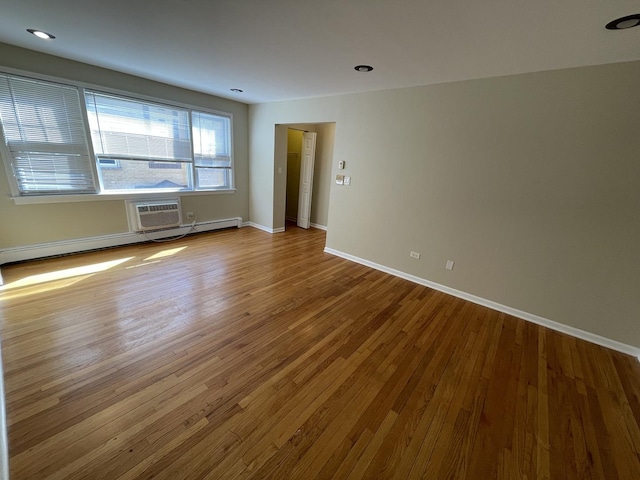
point(623, 23)
point(40, 34)
point(237, 90)
point(363, 68)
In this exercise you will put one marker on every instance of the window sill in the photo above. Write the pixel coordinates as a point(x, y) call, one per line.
point(42, 199)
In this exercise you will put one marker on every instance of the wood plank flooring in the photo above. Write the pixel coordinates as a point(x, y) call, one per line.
point(243, 355)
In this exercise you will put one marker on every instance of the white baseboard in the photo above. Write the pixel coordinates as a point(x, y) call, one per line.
point(278, 230)
point(30, 252)
point(574, 332)
point(314, 225)
point(263, 228)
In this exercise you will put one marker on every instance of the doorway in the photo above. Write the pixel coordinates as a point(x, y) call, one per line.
point(319, 189)
point(294, 150)
point(301, 148)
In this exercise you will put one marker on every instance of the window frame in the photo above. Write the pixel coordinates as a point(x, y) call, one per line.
point(115, 166)
point(5, 151)
point(20, 199)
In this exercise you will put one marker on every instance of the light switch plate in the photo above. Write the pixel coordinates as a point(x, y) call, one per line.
point(339, 179)
point(347, 180)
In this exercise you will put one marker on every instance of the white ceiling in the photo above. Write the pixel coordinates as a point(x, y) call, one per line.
point(285, 49)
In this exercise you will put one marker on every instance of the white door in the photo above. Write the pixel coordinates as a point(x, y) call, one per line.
point(307, 160)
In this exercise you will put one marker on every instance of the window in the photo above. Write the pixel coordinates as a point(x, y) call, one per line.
point(45, 135)
point(211, 149)
point(136, 133)
point(157, 146)
point(108, 163)
point(131, 144)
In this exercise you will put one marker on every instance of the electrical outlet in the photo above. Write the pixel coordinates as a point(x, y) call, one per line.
point(190, 216)
point(449, 265)
point(415, 255)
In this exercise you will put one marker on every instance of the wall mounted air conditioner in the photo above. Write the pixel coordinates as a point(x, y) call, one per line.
point(154, 215)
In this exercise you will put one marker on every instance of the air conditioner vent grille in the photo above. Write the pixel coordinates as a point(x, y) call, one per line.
point(157, 215)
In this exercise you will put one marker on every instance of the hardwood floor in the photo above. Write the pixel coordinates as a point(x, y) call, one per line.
point(240, 354)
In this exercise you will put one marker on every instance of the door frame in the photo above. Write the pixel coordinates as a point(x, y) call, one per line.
point(280, 171)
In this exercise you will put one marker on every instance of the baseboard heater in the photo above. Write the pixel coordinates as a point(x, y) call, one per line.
point(155, 215)
point(66, 247)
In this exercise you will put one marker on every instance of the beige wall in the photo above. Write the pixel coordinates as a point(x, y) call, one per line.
point(294, 140)
point(294, 149)
point(22, 225)
point(267, 188)
point(530, 183)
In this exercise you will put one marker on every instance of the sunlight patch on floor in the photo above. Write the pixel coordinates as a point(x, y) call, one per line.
point(42, 288)
point(165, 253)
point(142, 264)
point(85, 271)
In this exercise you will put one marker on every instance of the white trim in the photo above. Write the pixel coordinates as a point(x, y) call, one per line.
point(263, 228)
point(574, 332)
point(93, 197)
point(314, 225)
point(30, 252)
point(258, 226)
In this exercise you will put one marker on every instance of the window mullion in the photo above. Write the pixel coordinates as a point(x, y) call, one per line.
point(5, 153)
point(95, 171)
point(194, 177)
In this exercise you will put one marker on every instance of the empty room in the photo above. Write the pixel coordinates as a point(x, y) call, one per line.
point(305, 240)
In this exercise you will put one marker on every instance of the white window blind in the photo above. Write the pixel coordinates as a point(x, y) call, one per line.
point(212, 150)
point(60, 136)
point(127, 129)
point(44, 132)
